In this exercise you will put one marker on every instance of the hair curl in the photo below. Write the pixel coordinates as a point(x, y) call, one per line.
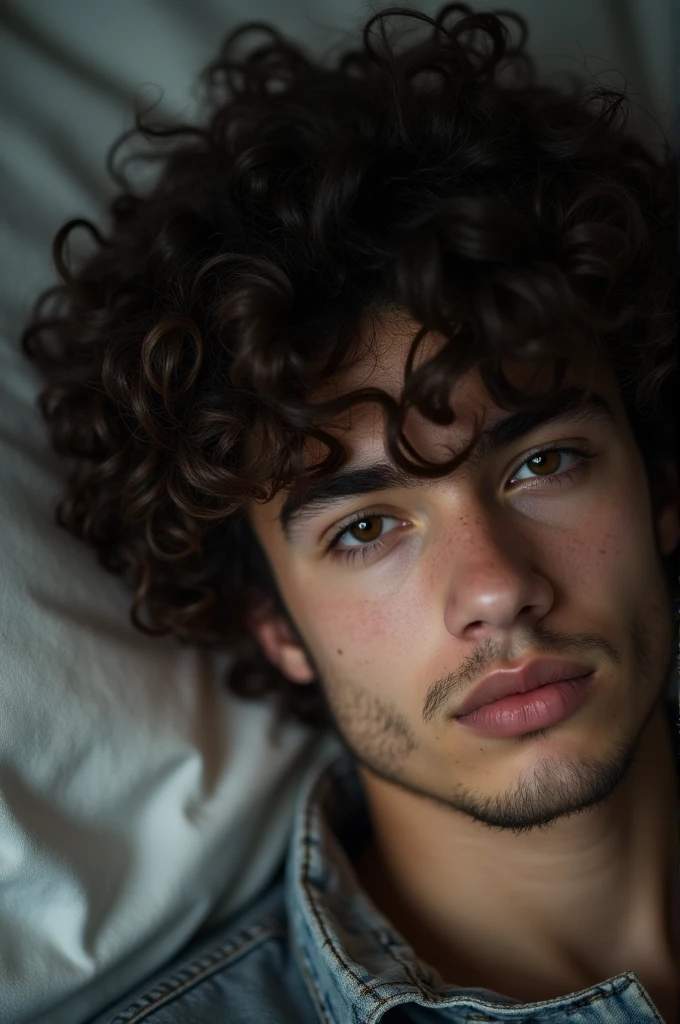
point(437, 178)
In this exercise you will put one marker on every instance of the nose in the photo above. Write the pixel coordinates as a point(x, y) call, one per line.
point(497, 583)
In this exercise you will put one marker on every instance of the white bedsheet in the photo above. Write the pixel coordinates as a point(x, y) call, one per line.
point(138, 799)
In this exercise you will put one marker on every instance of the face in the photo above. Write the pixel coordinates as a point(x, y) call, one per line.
point(407, 596)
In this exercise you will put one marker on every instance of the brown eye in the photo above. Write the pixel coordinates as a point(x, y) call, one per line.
point(544, 462)
point(549, 465)
point(367, 529)
point(366, 533)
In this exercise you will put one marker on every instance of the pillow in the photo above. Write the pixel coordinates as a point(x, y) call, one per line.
point(139, 799)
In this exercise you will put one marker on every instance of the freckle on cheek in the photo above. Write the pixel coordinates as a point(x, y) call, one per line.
point(339, 651)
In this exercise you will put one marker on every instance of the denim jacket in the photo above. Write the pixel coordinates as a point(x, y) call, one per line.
point(314, 949)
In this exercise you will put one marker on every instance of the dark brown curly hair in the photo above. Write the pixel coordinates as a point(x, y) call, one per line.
point(433, 176)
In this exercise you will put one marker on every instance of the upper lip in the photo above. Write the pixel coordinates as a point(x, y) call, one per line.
point(520, 679)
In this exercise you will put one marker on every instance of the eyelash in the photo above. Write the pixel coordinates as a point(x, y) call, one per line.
point(372, 547)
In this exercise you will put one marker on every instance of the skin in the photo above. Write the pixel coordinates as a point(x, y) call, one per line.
point(536, 865)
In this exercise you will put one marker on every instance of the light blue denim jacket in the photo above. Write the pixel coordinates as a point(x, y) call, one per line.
point(314, 948)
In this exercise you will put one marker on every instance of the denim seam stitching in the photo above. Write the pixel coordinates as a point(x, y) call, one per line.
point(198, 969)
point(369, 990)
point(313, 985)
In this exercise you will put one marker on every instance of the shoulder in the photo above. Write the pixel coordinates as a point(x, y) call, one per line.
point(242, 971)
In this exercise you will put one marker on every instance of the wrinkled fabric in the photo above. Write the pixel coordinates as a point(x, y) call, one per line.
point(140, 800)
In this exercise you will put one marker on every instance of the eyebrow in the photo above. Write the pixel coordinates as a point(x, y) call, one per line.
point(571, 403)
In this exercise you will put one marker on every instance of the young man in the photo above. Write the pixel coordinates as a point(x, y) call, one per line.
point(375, 388)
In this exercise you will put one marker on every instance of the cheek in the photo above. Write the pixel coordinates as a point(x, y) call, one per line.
point(601, 550)
point(359, 637)
point(593, 560)
point(362, 624)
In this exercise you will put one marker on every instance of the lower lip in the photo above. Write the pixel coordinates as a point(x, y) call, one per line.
point(526, 712)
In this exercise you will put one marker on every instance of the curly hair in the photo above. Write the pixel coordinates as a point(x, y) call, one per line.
point(434, 176)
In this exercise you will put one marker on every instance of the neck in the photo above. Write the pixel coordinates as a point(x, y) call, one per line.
point(541, 914)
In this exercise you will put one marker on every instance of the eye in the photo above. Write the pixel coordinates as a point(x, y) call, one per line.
point(367, 533)
point(549, 463)
point(365, 529)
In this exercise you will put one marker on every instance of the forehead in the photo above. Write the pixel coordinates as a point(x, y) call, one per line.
point(379, 355)
point(379, 363)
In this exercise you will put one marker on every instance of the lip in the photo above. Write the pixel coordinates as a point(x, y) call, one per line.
point(521, 679)
point(536, 710)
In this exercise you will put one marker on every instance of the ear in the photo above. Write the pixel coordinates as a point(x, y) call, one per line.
point(666, 507)
point(279, 643)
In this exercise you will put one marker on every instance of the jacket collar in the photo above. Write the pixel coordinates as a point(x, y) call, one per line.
point(355, 965)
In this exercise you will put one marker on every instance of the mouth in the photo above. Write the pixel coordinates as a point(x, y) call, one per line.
point(528, 677)
point(532, 710)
